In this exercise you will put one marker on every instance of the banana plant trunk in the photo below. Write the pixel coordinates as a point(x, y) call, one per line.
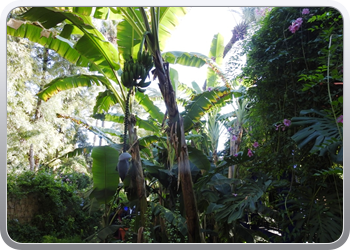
point(136, 161)
point(177, 138)
point(234, 149)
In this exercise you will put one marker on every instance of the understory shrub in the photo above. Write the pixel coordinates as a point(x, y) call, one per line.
point(60, 213)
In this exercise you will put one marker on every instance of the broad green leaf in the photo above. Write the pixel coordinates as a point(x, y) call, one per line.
point(196, 88)
point(144, 124)
point(199, 159)
point(76, 152)
point(98, 12)
point(84, 124)
point(104, 101)
point(168, 20)
point(92, 44)
point(191, 59)
point(105, 176)
point(216, 54)
point(33, 33)
point(176, 220)
point(128, 39)
point(213, 207)
point(217, 49)
point(322, 131)
point(149, 106)
point(202, 103)
point(174, 78)
point(145, 141)
point(65, 83)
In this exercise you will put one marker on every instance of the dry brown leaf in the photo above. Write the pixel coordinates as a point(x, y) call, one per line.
point(15, 24)
point(45, 33)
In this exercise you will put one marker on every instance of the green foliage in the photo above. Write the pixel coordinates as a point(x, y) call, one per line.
point(60, 213)
point(105, 175)
point(53, 239)
point(287, 74)
point(322, 131)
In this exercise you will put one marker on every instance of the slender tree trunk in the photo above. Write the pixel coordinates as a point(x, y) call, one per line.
point(177, 138)
point(31, 158)
point(95, 136)
point(102, 125)
point(136, 162)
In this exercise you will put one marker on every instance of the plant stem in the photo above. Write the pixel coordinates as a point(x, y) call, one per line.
point(329, 91)
point(126, 119)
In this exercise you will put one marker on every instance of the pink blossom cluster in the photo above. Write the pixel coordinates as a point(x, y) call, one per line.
point(250, 153)
point(295, 25)
point(340, 119)
point(286, 123)
point(305, 12)
point(262, 11)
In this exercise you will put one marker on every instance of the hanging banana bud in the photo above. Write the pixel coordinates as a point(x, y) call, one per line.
point(141, 90)
point(143, 84)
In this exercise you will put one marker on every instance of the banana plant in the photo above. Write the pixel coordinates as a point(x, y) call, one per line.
point(54, 27)
point(140, 22)
point(90, 50)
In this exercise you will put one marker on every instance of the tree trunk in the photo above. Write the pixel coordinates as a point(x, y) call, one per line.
point(95, 136)
point(136, 162)
point(31, 158)
point(102, 125)
point(177, 138)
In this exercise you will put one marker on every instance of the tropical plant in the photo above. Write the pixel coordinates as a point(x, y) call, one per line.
point(285, 78)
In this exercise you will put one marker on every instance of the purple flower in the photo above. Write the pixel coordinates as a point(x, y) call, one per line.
point(234, 194)
point(250, 153)
point(287, 122)
point(305, 11)
point(210, 89)
point(299, 21)
point(340, 119)
point(295, 25)
point(256, 144)
point(230, 129)
point(236, 155)
point(295, 166)
point(234, 138)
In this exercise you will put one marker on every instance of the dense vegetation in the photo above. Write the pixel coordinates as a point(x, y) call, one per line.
point(279, 178)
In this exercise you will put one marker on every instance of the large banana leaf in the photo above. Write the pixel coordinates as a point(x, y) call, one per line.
point(65, 83)
point(84, 124)
point(198, 158)
point(119, 118)
point(191, 59)
point(102, 55)
point(105, 176)
point(216, 54)
point(175, 219)
point(35, 34)
point(202, 103)
point(168, 20)
point(97, 12)
point(322, 131)
point(129, 36)
point(104, 101)
point(149, 106)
